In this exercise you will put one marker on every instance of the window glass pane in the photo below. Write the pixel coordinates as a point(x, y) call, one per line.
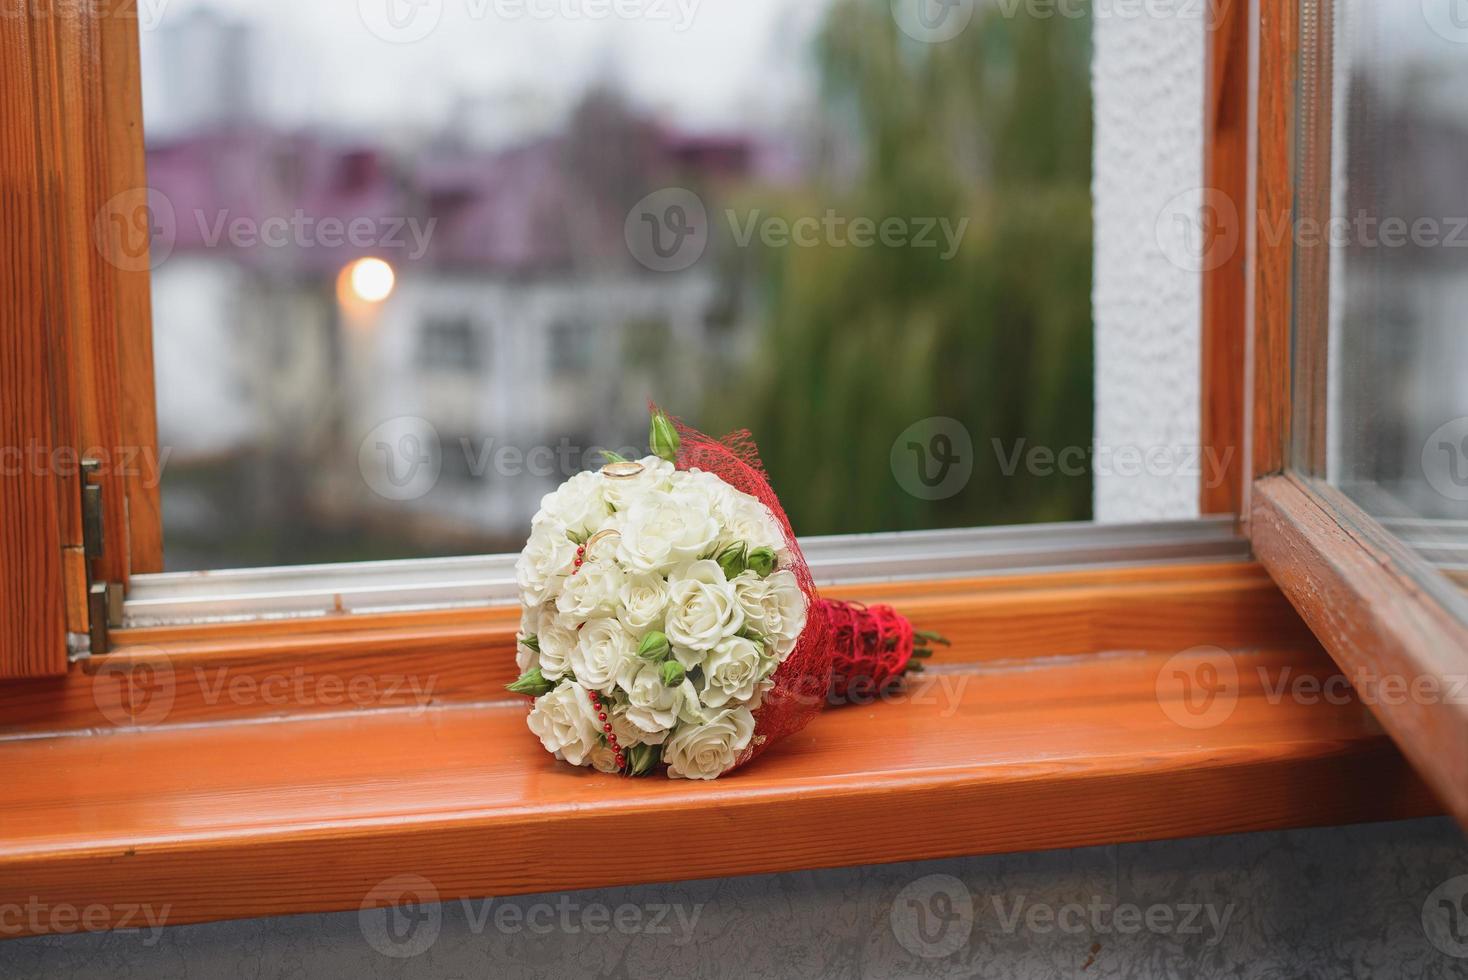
point(1395, 436)
point(415, 262)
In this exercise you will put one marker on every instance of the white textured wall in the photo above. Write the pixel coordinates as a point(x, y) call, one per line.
point(1148, 79)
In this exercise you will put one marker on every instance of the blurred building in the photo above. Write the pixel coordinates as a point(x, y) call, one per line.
point(516, 316)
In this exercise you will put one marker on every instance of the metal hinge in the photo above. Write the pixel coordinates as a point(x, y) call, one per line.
point(104, 599)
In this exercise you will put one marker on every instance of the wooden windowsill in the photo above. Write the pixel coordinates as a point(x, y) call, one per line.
point(250, 816)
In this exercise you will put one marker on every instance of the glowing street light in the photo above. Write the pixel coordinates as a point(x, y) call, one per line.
point(367, 280)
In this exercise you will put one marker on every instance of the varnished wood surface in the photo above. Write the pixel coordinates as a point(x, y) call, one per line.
point(192, 674)
point(105, 223)
point(1225, 162)
point(310, 814)
point(1349, 583)
point(1271, 214)
point(32, 598)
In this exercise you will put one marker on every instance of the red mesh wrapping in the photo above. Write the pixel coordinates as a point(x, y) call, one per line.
point(871, 646)
point(803, 680)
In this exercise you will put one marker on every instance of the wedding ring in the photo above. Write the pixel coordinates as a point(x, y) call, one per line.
point(624, 470)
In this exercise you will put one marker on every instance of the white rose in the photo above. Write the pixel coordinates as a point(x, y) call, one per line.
point(577, 505)
point(642, 602)
point(736, 670)
point(653, 706)
point(629, 734)
point(746, 519)
point(603, 758)
point(567, 724)
point(711, 487)
point(663, 530)
point(773, 607)
point(545, 561)
point(708, 750)
point(702, 607)
point(556, 644)
point(525, 657)
point(604, 649)
point(621, 491)
point(592, 592)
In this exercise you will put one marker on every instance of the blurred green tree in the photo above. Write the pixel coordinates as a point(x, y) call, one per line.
point(860, 343)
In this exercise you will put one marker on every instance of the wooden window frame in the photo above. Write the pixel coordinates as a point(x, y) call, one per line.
point(1368, 597)
point(174, 792)
point(76, 355)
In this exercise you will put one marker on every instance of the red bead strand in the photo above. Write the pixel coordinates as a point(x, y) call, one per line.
point(607, 728)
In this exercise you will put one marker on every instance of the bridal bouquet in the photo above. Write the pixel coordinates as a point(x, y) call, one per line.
point(670, 620)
